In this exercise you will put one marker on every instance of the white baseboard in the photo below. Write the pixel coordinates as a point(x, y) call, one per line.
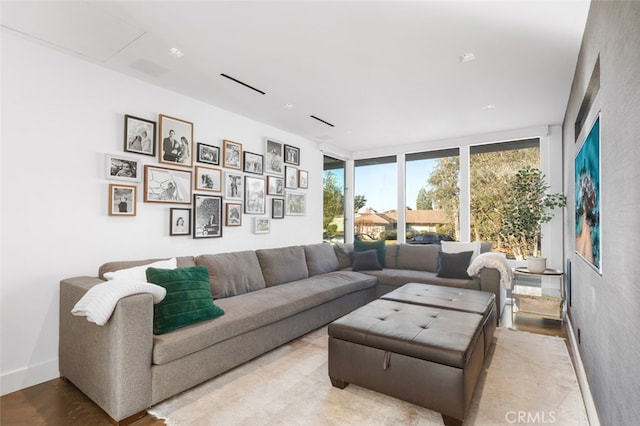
point(29, 376)
point(589, 405)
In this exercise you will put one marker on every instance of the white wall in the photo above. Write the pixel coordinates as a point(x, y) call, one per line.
point(60, 115)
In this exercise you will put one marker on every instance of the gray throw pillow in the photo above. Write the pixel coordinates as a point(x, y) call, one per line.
point(454, 265)
point(366, 261)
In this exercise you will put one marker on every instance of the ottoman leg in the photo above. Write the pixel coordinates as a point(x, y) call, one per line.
point(451, 421)
point(340, 384)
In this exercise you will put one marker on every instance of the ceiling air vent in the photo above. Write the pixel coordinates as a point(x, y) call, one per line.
point(243, 83)
point(321, 120)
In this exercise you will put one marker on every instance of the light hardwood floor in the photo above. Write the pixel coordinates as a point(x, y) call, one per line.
point(59, 403)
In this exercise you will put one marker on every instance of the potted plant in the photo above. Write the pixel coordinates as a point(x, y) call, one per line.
point(528, 206)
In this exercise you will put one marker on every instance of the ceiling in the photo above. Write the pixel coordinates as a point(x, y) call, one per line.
point(381, 73)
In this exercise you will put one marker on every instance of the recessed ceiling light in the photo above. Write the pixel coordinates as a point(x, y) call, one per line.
point(176, 52)
point(488, 107)
point(288, 106)
point(466, 57)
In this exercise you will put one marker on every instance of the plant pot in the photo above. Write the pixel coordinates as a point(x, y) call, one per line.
point(536, 264)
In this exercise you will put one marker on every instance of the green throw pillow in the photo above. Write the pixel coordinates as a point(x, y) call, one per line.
point(188, 298)
point(377, 245)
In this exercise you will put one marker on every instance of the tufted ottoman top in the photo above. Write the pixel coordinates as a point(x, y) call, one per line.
point(457, 299)
point(432, 334)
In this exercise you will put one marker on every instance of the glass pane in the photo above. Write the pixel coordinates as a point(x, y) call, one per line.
point(375, 199)
point(333, 204)
point(490, 168)
point(432, 196)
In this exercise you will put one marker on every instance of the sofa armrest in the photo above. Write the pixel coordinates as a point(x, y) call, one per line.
point(490, 281)
point(111, 364)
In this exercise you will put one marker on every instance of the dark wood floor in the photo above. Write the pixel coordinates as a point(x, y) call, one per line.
point(58, 402)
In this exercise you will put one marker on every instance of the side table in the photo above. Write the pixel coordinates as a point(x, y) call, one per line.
point(538, 301)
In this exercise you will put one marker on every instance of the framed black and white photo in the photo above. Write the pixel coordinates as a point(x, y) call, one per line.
point(122, 168)
point(292, 155)
point(208, 154)
point(232, 154)
point(175, 141)
point(291, 178)
point(277, 208)
point(207, 216)
point(254, 195)
point(295, 204)
point(274, 157)
point(179, 221)
point(139, 135)
point(303, 179)
point(261, 225)
point(208, 179)
point(275, 185)
point(253, 163)
point(234, 214)
point(233, 186)
point(122, 200)
point(164, 185)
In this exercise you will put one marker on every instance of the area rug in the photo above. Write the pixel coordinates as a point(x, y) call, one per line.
point(527, 379)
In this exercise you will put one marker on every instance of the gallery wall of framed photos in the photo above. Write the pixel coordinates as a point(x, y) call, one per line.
point(206, 185)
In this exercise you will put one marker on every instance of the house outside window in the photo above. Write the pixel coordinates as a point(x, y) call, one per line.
point(375, 196)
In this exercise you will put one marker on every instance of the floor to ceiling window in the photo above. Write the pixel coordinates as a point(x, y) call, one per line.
point(491, 167)
point(432, 196)
point(333, 200)
point(375, 198)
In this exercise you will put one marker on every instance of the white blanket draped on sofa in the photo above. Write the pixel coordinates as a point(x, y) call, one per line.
point(492, 260)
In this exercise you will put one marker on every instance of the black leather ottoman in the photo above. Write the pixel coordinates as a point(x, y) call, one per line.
point(457, 299)
point(429, 356)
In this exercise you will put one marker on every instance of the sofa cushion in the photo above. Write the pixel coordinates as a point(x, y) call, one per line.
point(321, 258)
point(366, 261)
point(391, 278)
point(256, 309)
point(391, 255)
point(344, 254)
point(234, 273)
point(378, 246)
point(188, 298)
point(418, 257)
point(282, 265)
point(182, 262)
point(454, 265)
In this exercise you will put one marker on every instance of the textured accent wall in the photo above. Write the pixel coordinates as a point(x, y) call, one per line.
point(606, 308)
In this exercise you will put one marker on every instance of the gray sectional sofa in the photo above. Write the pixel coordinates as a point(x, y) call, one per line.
point(269, 297)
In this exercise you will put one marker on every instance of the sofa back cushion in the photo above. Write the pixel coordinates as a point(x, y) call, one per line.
point(283, 265)
point(321, 259)
point(418, 257)
point(182, 262)
point(231, 274)
point(344, 253)
point(391, 256)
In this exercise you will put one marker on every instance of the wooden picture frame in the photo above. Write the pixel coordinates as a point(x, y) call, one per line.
point(122, 200)
point(207, 179)
point(291, 178)
point(303, 179)
point(261, 225)
point(207, 216)
point(253, 163)
point(275, 185)
point(179, 221)
point(208, 154)
point(139, 135)
point(277, 208)
point(292, 155)
point(274, 157)
point(233, 216)
point(122, 168)
point(254, 195)
point(175, 144)
point(165, 185)
point(231, 154)
point(295, 203)
point(233, 186)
